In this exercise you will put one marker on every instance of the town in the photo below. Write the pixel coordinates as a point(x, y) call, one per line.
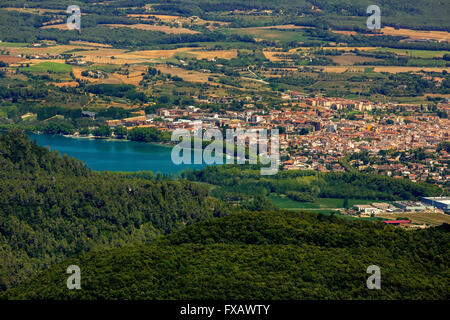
point(314, 135)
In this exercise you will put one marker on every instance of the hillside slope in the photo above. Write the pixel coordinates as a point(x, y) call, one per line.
point(269, 255)
point(52, 207)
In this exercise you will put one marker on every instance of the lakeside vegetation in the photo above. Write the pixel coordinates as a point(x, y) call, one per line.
point(312, 188)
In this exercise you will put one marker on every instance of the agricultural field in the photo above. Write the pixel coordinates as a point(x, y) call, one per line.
point(39, 11)
point(11, 59)
point(284, 202)
point(351, 59)
point(338, 48)
point(214, 54)
point(186, 75)
point(417, 34)
point(71, 84)
point(165, 29)
point(140, 26)
point(13, 44)
point(177, 19)
point(49, 67)
point(270, 34)
point(414, 53)
point(429, 217)
point(388, 69)
point(408, 33)
point(246, 58)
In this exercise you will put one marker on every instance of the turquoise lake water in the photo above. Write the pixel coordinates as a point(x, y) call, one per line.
point(104, 155)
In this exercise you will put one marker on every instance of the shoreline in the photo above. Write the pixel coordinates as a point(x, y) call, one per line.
point(71, 136)
point(110, 139)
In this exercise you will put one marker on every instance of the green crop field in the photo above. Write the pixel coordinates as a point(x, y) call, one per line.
point(12, 44)
point(49, 67)
point(270, 34)
point(426, 63)
point(414, 53)
point(320, 203)
point(286, 203)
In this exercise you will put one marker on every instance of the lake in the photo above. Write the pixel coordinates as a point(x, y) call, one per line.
point(114, 155)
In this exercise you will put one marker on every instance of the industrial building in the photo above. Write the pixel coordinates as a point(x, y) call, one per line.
point(441, 203)
point(411, 206)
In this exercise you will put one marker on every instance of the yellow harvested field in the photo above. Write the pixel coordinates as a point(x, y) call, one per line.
point(284, 27)
point(417, 34)
point(334, 48)
point(144, 56)
point(38, 50)
point(135, 76)
point(173, 19)
point(411, 34)
point(37, 61)
point(221, 54)
point(57, 21)
point(165, 17)
point(388, 69)
point(347, 33)
point(192, 76)
point(65, 84)
point(165, 29)
point(446, 96)
point(90, 44)
point(60, 26)
point(121, 105)
point(407, 69)
point(77, 73)
point(104, 56)
point(431, 218)
point(352, 33)
point(273, 55)
point(11, 59)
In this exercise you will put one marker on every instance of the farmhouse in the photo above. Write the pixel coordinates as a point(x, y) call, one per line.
point(366, 209)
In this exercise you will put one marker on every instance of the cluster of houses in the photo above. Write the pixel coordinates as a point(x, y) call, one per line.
point(314, 137)
point(339, 103)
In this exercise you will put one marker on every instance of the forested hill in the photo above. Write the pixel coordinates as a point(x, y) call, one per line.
point(261, 255)
point(52, 207)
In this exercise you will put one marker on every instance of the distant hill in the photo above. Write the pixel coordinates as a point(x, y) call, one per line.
point(25, 25)
point(268, 255)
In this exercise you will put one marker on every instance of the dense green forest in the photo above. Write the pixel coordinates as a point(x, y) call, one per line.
point(232, 182)
point(52, 207)
point(261, 255)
